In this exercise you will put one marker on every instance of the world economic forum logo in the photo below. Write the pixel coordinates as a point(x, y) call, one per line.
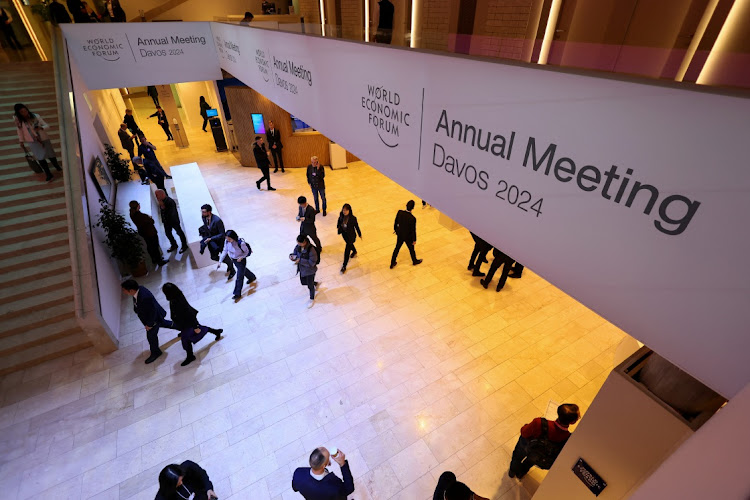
point(109, 49)
point(385, 114)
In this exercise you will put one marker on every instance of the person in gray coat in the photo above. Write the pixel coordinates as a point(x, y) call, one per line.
point(306, 257)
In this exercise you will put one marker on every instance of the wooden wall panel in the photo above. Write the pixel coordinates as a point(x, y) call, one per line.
point(244, 101)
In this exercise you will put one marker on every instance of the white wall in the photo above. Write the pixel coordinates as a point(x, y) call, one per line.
point(107, 273)
point(712, 463)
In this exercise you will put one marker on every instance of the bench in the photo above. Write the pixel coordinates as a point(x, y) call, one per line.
point(191, 192)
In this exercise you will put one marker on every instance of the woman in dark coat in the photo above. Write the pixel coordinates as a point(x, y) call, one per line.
point(204, 112)
point(185, 318)
point(177, 482)
point(348, 228)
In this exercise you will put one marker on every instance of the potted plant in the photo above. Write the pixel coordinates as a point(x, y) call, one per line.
point(119, 168)
point(122, 240)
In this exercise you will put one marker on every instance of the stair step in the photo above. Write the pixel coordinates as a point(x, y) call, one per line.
point(41, 271)
point(32, 305)
point(33, 249)
point(54, 315)
point(60, 253)
point(31, 289)
point(25, 186)
point(36, 220)
point(33, 232)
point(38, 336)
point(47, 190)
point(43, 353)
point(49, 201)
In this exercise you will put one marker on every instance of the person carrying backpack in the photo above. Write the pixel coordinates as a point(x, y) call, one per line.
point(541, 441)
point(237, 250)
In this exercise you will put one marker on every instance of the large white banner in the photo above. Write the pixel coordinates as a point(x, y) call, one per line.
point(112, 55)
point(632, 197)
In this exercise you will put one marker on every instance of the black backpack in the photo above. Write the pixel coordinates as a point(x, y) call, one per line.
point(541, 451)
point(249, 249)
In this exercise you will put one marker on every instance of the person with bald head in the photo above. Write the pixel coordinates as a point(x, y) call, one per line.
point(171, 220)
point(317, 483)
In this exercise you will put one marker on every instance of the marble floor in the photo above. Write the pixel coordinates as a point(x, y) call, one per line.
point(410, 371)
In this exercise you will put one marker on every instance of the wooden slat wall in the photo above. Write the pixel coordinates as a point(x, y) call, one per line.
point(244, 101)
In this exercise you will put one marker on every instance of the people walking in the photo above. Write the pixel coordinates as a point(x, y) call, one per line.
point(263, 163)
point(213, 234)
point(478, 255)
point(306, 258)
point(273, 136)
point(185, 318)
point(153, 93)
point(148, 151)
point(171, 220)
point(126, 139)
point(161, 116)
point(316, 174)
point(147, 230)
point(6, 26)
point(541, 441)
point(499, 259)
point(306, 218)
point(180, 482)
point(405, 227)
point(204, 111)
point(348, 228)
point(32, 134)
point(153, 171)
point(238, 250)
point(129, 120)
point(316, 483)
point(150, 312)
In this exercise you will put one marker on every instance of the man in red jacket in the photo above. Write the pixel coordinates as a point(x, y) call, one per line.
point(541, 441)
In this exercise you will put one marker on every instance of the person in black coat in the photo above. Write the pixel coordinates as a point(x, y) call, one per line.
point(178, 482)
point(214, 236)
point(348, 228)
point(153, 171)
point(316, 175)
point(273, 136)
point(500, 259)
point(306, 218)
point(161, 116)
point(185, 318)
point(76, 9)
point(147, 229)
point(129, 120)
point(153, 93)
point(262, 161)
point(58, 13)
point(405, 227)
point(171, 220)
point(478, 255)
point(151, 314)
point(126, 140)
point(316, 483)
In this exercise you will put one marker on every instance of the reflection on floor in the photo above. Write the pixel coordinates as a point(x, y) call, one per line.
point(410, 371)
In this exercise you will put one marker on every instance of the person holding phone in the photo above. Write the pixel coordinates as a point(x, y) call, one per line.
point(306, 258)
point(317, 483)
point(238, 250)
point(179, 482)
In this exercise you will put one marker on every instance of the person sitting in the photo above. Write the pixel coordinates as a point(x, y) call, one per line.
point(541, 442)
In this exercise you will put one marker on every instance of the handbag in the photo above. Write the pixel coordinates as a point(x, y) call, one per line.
point(33, 163)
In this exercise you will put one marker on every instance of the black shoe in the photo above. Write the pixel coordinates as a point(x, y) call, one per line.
point(343, 269)
point(470, 267)
point(164, 262)
point(393, 264)
point(168, 177)
point(250, 280)
point(231, 275)
point(183, 249)
point(282, 170)
point(236, 298)
point(218, 333)
point(153, 358)
point(317, 211)
point(514, 275)
point(276, 170)
point(325, 213)
point(511, 474)
point(272, 189)
point(478, 274)
point(188, 361)
point(172, 248)
point(485, 283)
point(354, 254)
point(498, 288)
point(49, 178)
point(258, 184)
point(416, 262)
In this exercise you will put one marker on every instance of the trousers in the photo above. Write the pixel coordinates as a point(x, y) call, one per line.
point(165, 126)
point(278, 160)
point(168, 229)
point(242, 273)
point(266, 176)
point(322, 193)
point(519, 463)
point(309, 282)
point(349, 250)
point(153, 248)
point(410, 245)
point(504, 261)
point(153, 335)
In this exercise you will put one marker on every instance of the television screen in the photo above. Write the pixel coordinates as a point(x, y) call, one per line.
point(258, 125)
point(212, 112)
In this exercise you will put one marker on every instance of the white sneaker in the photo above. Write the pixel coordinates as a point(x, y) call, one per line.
point(310, 303)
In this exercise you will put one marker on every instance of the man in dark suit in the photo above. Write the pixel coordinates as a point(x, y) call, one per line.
point(478, 255)
point(274, 142)
point(151, 314)
point(126, 139)
point(500, 259)
point(214, 235)
point(171, 220)
point(405, 227)
point(154, 171)
point(306, 218)
point(262, 161)
point(316, 483)
point(147, 230)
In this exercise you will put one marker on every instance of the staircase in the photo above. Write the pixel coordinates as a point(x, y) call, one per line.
point(36, 288)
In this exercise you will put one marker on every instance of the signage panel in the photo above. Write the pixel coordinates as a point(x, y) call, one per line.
point(589, 477)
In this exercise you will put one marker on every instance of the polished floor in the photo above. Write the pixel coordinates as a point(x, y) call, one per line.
point(410, 371)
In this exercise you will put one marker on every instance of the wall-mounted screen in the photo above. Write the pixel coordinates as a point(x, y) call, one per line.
point(258, 125)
